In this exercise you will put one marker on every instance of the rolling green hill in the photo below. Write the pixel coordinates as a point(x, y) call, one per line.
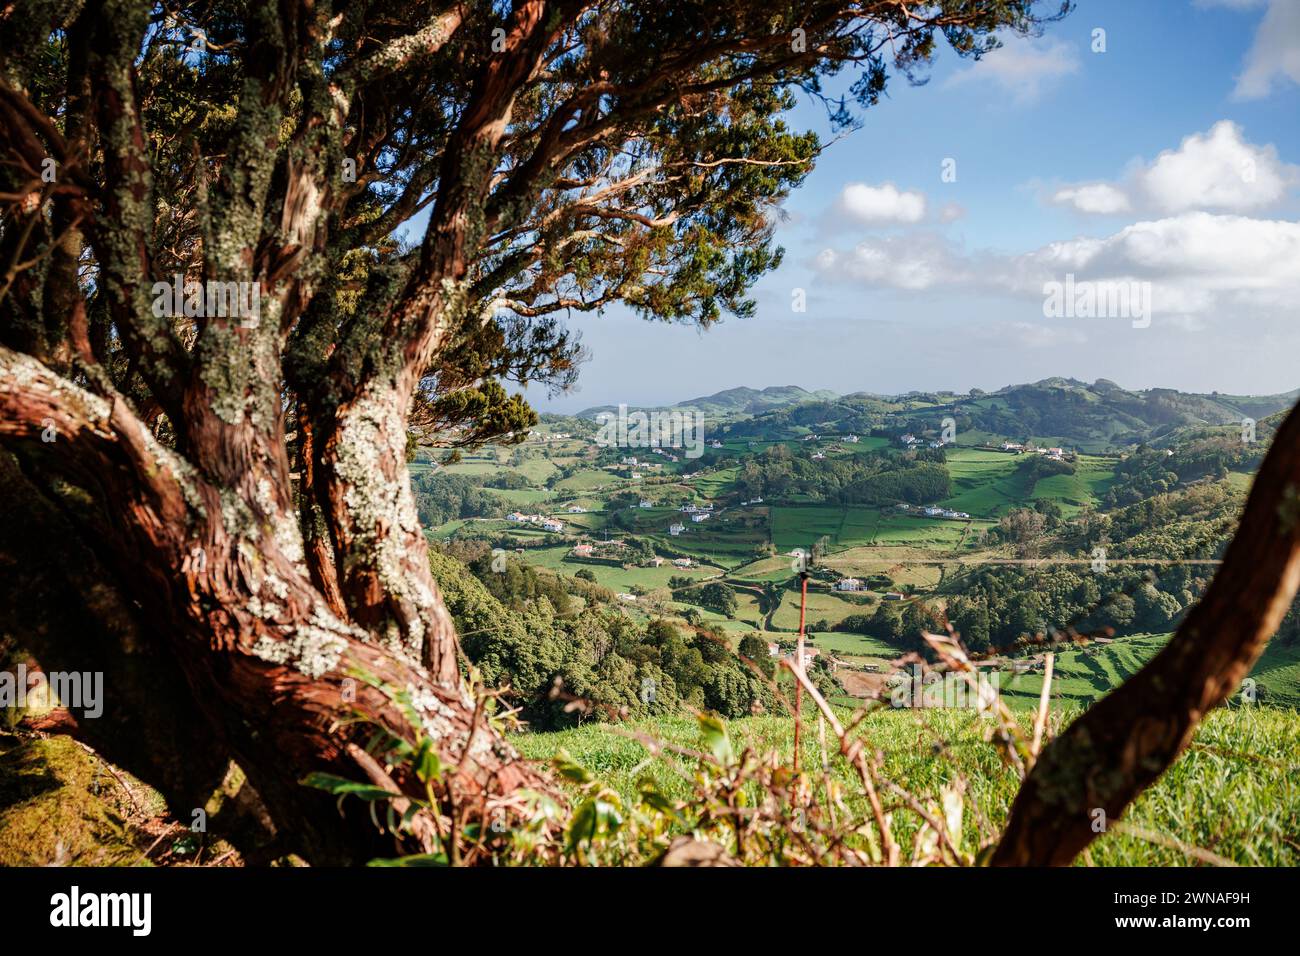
point(1089, 417)
point(733, 401)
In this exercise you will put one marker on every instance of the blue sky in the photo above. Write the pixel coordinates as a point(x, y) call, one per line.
point(1172, 158)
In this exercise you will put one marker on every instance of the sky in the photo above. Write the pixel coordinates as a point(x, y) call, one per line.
point(1159, 157)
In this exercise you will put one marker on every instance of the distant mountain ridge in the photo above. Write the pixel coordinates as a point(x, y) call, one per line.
point(731, 401)
point(1099, 415)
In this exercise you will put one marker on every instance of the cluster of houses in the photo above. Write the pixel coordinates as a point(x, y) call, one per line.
point(932, 511)
point(853, 584)
point(704, 509)
point(851, 439)
point(1016, 448)
point(546, 523)
point(810, 653)
point(911, 441)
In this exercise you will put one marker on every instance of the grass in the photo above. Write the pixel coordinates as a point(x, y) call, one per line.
point(614, 578)
point(588, 479)
point(1236, 792)
point(1086, 674)
point(821, 605)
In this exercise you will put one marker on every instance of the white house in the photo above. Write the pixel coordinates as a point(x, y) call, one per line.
point(848, 584)
point(626, 597)
point(700, 516)
point(676, 529)
point(682, 562)
point(582, 550)
point(646, 503)
point(553, 524)
point(819, 457)
point(516, 517)
point(852, 439)
point(933, 511)
point(893, 596)
point(577, 510)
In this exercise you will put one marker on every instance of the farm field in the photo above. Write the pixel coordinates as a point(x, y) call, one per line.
point(1086, 674)
point(821, 605)
point(749, 546)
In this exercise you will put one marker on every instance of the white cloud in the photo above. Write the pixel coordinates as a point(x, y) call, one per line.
point(881, 204)
point(1022, 67)
point(1099, 198)
point(1216, 170)
point(1196, 262)
point(1274, 54)
point(915, 262)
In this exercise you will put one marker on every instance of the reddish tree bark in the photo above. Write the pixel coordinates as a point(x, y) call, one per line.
point(266, 659)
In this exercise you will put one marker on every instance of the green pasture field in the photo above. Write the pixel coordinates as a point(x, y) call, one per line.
point(985, 483)
point(614, 578)
point(821, 604)
point(522, 497)
point(588, 479)
point(715, 484)
point(855, 646)
point(1086, 487)
point(1085, 674)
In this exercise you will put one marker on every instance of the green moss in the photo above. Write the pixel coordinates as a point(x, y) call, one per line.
point(51, 812)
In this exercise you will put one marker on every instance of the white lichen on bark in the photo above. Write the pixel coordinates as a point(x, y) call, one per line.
point(381, 508)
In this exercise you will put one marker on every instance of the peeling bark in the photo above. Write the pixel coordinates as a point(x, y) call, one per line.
point(269, 664)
